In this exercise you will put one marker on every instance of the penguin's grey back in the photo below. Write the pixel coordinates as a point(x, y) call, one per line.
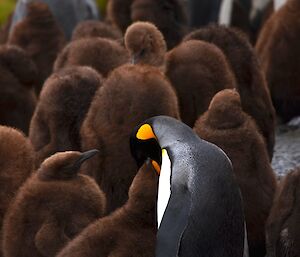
point(208, 194)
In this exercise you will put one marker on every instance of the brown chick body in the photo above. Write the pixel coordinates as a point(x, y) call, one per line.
point(283, 226)
point(18, 100)
point(146, 44)
point(169, 17)
point(17, 163)
point(278, 49)
point(52, 207)
point(197, 71)
point(93, 28)
point(129, 231)
point(63, 104)
point(102, 54)
point(240, 17)
point(226, 125)
point(131, 94)
point(250, 80)
point(118, 13)
point(41, 37)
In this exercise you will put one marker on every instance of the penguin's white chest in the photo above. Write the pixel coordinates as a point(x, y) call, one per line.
point(164, 186)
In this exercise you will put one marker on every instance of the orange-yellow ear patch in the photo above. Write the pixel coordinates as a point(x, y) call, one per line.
point(156, 166)
point(145, 132)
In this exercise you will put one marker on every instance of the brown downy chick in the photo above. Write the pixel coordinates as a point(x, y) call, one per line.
point(130, 95)
point(52, 207)
point(63, 104)
point(17, 164)
point(41, 37)
point(102, 54)
point(93, 28)
point(18, 77)
point(129, 231)
point(118, 13)
point(283, 226)
point(169, 16)
point(250, 80)
point(197, 71)
point(235, 132)
point(278, 50)
point(146, 44)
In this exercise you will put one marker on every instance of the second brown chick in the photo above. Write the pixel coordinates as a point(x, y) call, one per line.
point(129, 231)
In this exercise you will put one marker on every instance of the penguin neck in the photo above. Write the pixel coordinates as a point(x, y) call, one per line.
point(169, 136)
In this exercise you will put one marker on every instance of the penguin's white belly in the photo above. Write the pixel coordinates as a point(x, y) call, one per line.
point(164, 186)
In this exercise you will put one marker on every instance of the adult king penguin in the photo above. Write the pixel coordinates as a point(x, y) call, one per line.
point(199, 206)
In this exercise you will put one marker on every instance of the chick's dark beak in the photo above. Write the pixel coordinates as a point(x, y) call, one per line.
point(137, 56)
point(86, 155)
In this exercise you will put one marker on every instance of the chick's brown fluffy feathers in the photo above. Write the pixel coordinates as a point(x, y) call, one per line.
point(17, 164)
point(41, 37)
point(18, 77)
point(278, 50)
point(130, 95)
point(63, 104)
point(102, 54)
point(283, 227)
point(197, 71)
point(250, 80)
point(93, 28)
point(145, 44)
point(49, 209)
point(169, 16)
point(129, 231)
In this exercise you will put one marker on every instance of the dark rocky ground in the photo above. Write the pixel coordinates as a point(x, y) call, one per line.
point(287, 148)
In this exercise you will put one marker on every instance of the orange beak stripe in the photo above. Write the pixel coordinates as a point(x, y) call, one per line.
point(145, 132)
point(156, 166)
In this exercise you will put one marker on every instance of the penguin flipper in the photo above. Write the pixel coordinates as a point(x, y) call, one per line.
point(174, 223)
